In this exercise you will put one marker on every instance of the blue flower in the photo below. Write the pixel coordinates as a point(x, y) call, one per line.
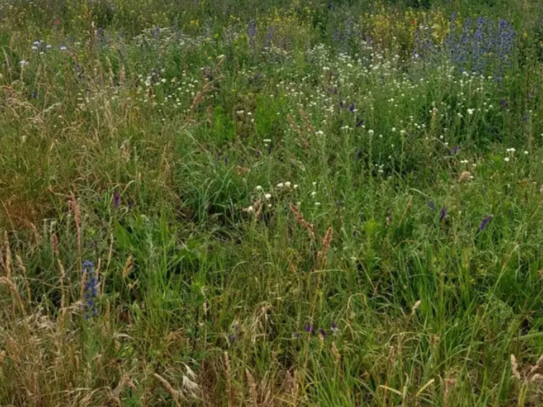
point(269, 35)
point(309, 329)
point(322, 333)
point(251, 32)
point(484, 223)
point(482, 46)
point(90, 289)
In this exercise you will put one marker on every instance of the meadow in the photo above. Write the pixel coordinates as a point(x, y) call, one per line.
point(271, 203)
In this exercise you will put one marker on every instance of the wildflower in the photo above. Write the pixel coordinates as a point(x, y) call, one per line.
point(90, 291)
point(280, 185)
point(334, 328)
point(63, 48)
point(295, 186)
point(432, 205)
point(506, 159)
point(313, 194)
point(442, 214)
point(267, 196)
point(258, 188)
point(251, 32)
point(116, 199)
point(288, 184)
point(470, 111)
point(484, 223)
point(322, 333)
point(23, 62)
point(455, 149)
point(317, 204)
point(309, 329)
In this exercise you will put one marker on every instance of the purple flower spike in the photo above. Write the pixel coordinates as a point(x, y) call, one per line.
point(432, 205)
point(352, 108)
point(90, 290)
point(484, 223)
point(116, 199)
point(322, 333)
point(442, 214)
point(309, 329)
point(455, 149)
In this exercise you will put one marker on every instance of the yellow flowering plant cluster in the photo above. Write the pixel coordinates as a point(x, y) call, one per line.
point(392, 29)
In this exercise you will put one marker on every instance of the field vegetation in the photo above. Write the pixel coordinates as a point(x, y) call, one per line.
point(271, 203)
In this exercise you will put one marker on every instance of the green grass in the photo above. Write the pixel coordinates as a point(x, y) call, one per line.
point(284, 205)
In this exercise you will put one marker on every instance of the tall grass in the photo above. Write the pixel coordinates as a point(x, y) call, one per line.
point(271, 203)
